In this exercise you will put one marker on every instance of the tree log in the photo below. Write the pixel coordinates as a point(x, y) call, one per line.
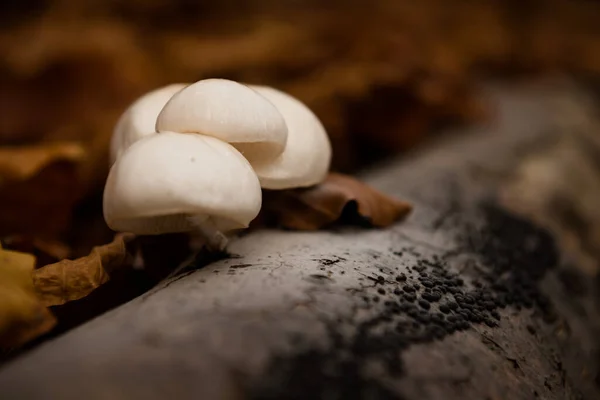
point(489, 290)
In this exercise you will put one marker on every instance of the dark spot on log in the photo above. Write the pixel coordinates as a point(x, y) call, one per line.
point(409, 297)
point(327, 261)
point(319, 278)
point(408, 289)
point(240, 266)
point(425, 304)
point(508, 275)
point(490, 323)
point(427, 283)
point(178, 277)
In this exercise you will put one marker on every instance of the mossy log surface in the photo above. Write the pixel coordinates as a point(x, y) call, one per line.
point(489, 290)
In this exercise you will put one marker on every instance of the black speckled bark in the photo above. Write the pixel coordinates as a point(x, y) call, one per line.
point(476, 296)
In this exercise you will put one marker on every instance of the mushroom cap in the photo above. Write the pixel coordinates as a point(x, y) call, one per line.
point(306, 158)
point(171, 182)
point(229, 111)
point(139, 119)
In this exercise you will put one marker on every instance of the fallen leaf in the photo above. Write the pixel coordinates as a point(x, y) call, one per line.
point(23, 162)
point(22, 316)
point(152, 259)
point(340, 198)
point(69, 280)
point(39, 186)
point(45, 251)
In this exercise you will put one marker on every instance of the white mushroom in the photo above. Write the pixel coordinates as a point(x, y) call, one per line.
point(307, 155)
point(139, 120)
point(228, 111)
point(176, 182)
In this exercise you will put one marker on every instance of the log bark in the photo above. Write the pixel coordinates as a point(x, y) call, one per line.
point(488, 291)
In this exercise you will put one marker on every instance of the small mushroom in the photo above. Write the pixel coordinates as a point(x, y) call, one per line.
point(139, 120)
point(228, 111)
point(175, 182)
point(307, 154)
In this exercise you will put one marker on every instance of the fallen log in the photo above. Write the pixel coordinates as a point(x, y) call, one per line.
point(488, 291)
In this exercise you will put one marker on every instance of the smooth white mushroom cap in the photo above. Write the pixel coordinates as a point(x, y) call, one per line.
point(228, 111)
point(172, 182)
point(307, 155)
point(139, 120)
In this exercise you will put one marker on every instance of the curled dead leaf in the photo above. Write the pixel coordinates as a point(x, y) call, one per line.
point(69, 280)
point(22, 316)
point(340, 198)
point(152, 259)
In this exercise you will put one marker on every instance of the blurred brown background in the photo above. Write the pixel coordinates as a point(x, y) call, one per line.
point(382, 75)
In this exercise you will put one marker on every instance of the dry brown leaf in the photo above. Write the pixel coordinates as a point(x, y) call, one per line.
point(153, 259)
point(41, 206)
point(69, 280)
point(39, 186)
point(340, 198)
point(334, 67)
point(45, 251)
point(22, 162)
point(22, 316)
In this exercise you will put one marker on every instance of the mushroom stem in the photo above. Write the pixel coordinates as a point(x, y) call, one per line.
point(215, 239)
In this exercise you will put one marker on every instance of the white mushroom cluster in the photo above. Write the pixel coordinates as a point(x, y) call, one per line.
point(195, 157)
